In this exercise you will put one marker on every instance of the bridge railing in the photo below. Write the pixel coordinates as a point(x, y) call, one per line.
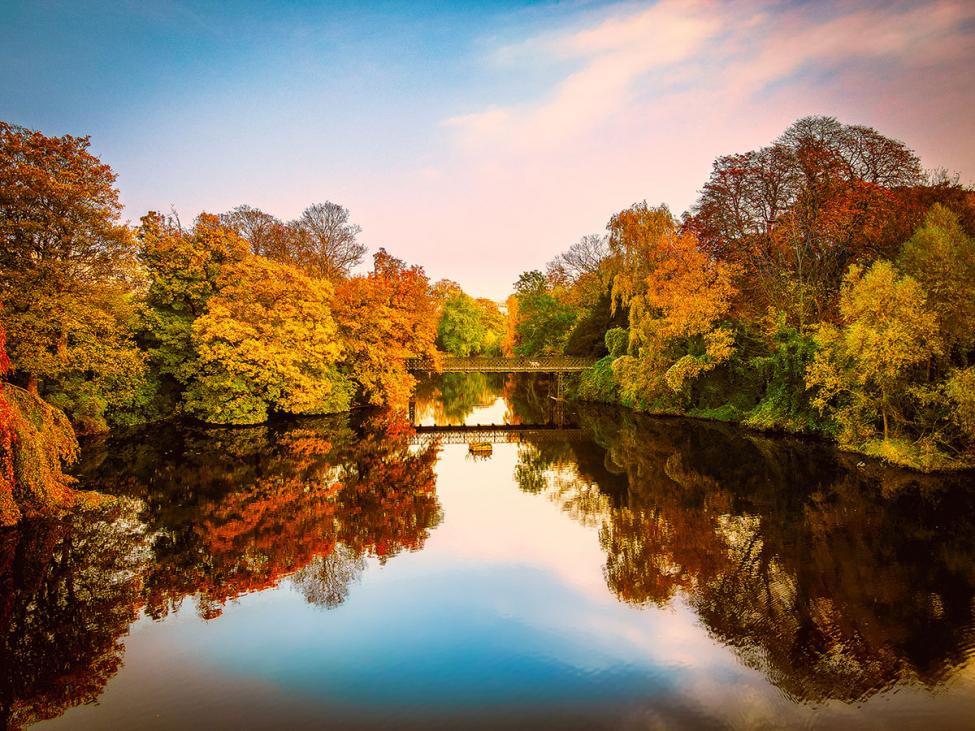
point(492, 364)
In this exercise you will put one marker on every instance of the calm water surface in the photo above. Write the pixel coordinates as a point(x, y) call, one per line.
point(605, 571)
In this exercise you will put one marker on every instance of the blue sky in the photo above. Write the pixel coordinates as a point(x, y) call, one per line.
point(476, 139)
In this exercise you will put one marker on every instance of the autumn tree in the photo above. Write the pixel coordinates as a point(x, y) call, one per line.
point(66, 266)
point(511, 337)
point(385, 318)
point(183, 268)
point(493, 325)
point(444, 289)
point(798, 212)
point(677, 314)
point(634, 240)
point(267, 342)
point(865, 368)
point(37, 444)
point(941, 257)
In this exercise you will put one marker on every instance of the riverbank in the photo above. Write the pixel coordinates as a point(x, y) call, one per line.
point(921, 457)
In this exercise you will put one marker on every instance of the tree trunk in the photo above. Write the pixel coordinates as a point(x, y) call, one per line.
point(33, 387)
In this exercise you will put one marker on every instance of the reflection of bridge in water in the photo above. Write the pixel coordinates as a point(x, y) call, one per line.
point(495, 433)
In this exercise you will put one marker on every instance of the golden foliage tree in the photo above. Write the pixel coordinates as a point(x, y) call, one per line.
point(864, 369)
point(267, 342)
point(183, 269)
point(66, 266)
point(676, 310)
point(941, 257)
point(36, 442)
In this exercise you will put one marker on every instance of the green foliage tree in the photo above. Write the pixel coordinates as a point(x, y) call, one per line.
point(785, 402)
point(941, 257)
point(267, 342)
point(588, 334)
point(469, 327)
point(531, 283)
point(460, 331)
point(544, 325)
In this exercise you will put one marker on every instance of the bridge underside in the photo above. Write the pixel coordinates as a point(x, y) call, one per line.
point(540, 364)
point(494, 433)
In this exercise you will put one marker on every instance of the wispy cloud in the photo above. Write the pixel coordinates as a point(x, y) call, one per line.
point(678, 57)
point(641, 99)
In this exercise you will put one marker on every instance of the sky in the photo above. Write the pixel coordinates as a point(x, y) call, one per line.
point(480, 139)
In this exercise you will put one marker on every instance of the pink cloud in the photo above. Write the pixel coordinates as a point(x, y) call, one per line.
point(649, 97)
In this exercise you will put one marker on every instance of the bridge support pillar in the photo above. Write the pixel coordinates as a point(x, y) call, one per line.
point(560, 398)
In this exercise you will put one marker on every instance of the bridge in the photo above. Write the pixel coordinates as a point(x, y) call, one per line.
point(490, 364)
point(494, 433)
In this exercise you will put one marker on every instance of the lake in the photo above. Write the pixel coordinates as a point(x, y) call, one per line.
point(591, 568)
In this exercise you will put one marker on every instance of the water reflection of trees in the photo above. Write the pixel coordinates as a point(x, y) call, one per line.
point(834, 579)
point(70, 590)
point(204, 513)
point(450, 398)
point(234, 510)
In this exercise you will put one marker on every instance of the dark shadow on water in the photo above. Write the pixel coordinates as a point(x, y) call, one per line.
point(834, 577)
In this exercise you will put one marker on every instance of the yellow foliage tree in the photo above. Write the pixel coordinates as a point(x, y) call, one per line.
point(941, 257)
point(267, 342)
point(865, 368)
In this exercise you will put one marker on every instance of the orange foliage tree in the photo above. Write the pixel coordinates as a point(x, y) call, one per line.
point(66, 269)
point(385, 318)
point(36, 442)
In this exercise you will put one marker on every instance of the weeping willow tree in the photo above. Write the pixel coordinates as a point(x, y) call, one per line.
point(36, 442)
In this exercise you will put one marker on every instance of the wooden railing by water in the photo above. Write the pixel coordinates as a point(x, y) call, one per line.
point(490, 364)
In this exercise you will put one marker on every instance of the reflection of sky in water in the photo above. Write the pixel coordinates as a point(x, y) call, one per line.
point(505, 607)
point(487, 612)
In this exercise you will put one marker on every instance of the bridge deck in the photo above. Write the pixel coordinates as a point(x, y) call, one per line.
point(485, 364)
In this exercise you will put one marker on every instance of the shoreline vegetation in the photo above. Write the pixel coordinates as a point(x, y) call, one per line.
point(822, 285)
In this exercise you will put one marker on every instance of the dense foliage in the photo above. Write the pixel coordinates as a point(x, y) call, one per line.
point(67, 265)
point(231, 320)
point(819, 285)
point(822, 284)
point(36, 441)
